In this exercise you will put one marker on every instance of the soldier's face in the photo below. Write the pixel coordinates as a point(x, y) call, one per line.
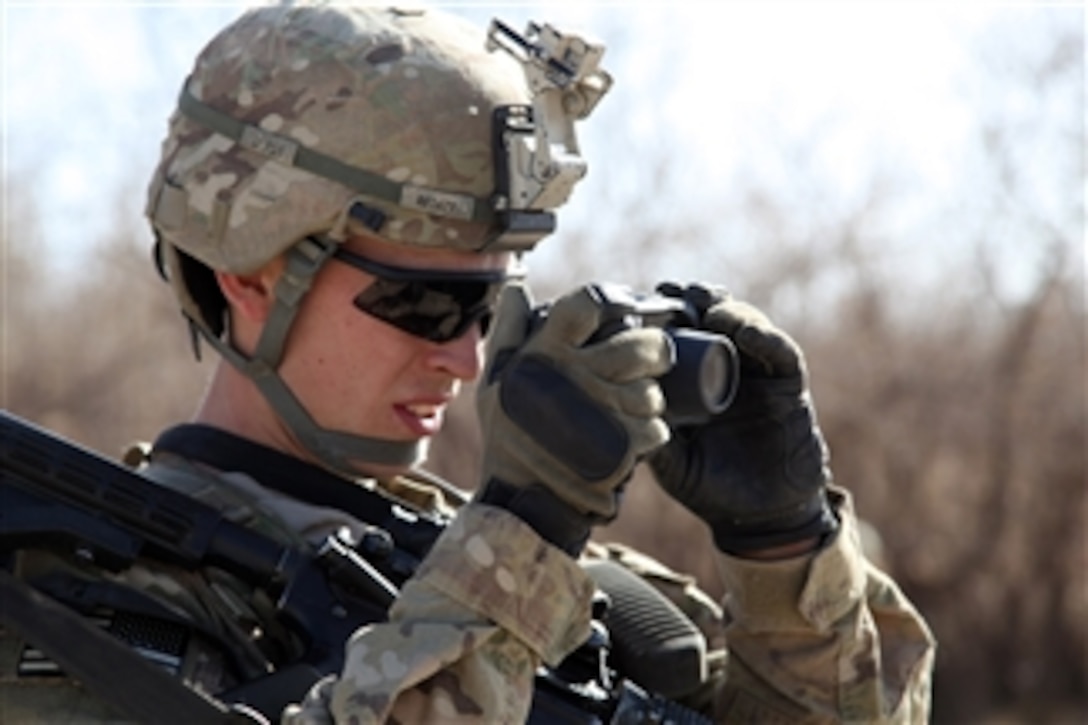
point(359, 374)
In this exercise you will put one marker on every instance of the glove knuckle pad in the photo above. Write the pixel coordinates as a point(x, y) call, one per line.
point(563, 419)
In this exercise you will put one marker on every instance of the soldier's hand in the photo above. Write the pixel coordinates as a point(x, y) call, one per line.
point(757, 472)
point(565, 418)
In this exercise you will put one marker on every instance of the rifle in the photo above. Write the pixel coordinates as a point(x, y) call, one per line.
point(56, 494)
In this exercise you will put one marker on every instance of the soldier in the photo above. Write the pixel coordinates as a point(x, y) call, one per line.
point(326, 213)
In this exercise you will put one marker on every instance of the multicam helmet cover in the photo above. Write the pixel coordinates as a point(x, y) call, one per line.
point(405, 96)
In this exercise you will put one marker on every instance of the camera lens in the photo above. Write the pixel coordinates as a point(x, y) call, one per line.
point(713, 380)
point(704, 378)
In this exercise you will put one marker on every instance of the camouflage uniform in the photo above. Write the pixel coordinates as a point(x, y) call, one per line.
point(225, 612)
point(820, 638)
point(824, 638)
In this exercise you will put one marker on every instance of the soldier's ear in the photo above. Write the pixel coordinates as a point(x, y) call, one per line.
point(251, 295)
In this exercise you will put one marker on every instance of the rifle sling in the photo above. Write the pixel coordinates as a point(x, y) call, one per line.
point(100, 661)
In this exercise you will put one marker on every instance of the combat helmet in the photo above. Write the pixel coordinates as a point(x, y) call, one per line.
point(304, 121)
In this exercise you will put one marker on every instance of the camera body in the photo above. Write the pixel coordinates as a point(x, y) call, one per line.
point(705, 373)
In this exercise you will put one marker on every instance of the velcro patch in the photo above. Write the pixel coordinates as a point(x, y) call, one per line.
point(272, 145)
point(442, 203)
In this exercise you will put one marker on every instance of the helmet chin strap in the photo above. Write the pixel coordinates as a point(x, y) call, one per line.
point(334, 449)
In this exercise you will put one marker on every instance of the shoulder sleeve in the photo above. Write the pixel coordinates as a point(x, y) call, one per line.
point(490, 602)
point(823, 638)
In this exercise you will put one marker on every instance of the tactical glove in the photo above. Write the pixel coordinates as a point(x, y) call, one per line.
point(757, 472)
point(566, 416)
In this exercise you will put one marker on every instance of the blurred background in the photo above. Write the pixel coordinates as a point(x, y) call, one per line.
point(900, 186)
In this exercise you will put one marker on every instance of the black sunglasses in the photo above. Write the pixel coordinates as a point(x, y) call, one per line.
point(435, 304)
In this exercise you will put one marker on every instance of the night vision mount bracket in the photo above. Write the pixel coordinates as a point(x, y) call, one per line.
point(538, 160)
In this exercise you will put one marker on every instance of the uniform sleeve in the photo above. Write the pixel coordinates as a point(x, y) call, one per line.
point(491, 602)
point(824, 638)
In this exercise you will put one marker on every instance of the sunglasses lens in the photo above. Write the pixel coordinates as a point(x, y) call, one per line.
point(436, 310)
